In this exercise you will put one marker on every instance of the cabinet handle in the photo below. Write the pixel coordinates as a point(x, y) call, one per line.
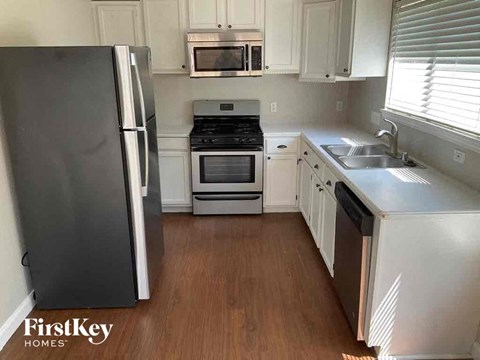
point(316, 166)
point(229, 26)
point(318, 185)
point(219, 26)
point(329, 183)
point(281, 146)
point(268, 158)
point(183, 66)
point(305, 153)
point(327, 76)
point(299, 161)
point(320, 189)
point(345, 70)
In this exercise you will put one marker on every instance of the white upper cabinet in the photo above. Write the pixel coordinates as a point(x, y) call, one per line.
point(165, 23)
point(318, 42)
point(244, 14)
point(363, 28)
point(225, 14)
point(282, 36)
point(119, 23)
point(206, 14)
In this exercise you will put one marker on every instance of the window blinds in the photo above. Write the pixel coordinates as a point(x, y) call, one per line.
point(435, 62)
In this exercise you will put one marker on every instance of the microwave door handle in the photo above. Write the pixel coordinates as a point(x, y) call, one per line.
point(144, 120)
point(247, 65)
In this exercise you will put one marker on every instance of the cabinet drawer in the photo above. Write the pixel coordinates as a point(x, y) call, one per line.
point(306, 152)
point(173, 143)
point(329, 179)
point(313, 160)
point(288, 145)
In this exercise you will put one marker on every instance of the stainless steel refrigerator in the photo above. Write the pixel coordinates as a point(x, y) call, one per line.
point(81, 134)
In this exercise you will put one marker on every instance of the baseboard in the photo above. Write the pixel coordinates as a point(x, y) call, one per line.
point(16, 319)
point(425, 357)
point(476, 351)
point(177, 209)
point(281, 209)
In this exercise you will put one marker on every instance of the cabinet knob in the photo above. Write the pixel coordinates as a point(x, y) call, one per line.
point(229, 26)
point(316, 166)
point(345, 70)
point(268, 158)
point(183, 66)
point(320, 189)
point(267, 67)
point(219, 26)
point(327, 76)
point(318, 185)
point(329, 183)
point(305, 153)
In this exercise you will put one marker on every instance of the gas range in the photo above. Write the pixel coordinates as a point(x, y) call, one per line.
point(227, 157)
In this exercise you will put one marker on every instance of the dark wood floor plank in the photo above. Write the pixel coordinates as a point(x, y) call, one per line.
point(230, 287)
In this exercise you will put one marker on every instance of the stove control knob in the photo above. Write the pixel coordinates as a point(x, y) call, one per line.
point(204, 141)
point(213, 141)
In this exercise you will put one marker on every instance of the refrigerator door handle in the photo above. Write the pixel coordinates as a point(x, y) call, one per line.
point(133, 60)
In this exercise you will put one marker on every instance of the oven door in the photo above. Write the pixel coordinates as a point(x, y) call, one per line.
point(217, 59)
point(227, 171)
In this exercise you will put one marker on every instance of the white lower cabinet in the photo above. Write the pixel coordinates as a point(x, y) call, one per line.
point(306, 174)
point(327, 236)
point(318, 204)
point(316, 211)
point(175, 179)
point(280, 180)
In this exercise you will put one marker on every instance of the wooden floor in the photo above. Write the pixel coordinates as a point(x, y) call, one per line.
point(231, 287)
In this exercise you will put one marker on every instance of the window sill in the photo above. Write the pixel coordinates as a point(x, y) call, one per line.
point(467, 141)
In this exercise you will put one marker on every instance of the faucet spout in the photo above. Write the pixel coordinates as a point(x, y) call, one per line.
point(392, 138)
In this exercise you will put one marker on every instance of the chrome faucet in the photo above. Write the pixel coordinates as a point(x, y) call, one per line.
point(392, 138)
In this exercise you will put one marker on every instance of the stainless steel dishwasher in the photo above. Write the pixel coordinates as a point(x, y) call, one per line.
point(353, 232)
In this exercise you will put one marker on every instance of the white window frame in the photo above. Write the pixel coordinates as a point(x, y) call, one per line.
point(454, 135)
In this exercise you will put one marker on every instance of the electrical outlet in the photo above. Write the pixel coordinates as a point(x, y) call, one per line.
point(273, 107)
point(375, 117)
point(458, 156)
point(340, 105)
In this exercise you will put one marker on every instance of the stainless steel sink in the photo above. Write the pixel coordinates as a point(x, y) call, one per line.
point(364, 157)
point(370, 162)
point(356, 150)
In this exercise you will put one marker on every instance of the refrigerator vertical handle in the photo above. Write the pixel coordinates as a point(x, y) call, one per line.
point(133, 59)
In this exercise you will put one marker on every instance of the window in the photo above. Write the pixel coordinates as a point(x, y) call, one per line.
point(434, 71)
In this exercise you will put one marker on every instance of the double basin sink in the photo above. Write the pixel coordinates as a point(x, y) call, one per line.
point(365, 157)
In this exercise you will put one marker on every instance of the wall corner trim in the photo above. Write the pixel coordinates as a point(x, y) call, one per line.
point(16, 319)
point(476, 351)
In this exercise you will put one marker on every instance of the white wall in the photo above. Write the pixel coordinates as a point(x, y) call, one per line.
point(30, 22)
point(367, 96)
point(46, 22)
point(296, 101)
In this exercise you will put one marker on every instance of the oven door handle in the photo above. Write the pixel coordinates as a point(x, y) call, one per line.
point(226, 197)
point(204, 149)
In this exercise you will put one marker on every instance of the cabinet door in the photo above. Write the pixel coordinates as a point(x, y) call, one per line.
point(327, 243)
point(175, 177)
point(206, 14)
point(345, 21)
point(281, 180)
point(316, 210)
point(306, 175)
point(244, 14)
point(119, 22)
point(282, 36)
point(165, 32)
point(318, 42)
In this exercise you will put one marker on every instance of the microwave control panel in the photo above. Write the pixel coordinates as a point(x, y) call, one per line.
point(256, 58)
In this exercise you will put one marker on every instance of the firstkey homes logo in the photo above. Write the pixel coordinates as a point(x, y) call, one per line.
point(96, 334)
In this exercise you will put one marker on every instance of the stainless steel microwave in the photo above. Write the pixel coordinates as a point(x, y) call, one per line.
point(225, 54)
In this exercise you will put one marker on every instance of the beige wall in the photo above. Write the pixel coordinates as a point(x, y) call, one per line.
point(296, 101)
point(367, 96)
point(30, 22)
point(46, 22)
